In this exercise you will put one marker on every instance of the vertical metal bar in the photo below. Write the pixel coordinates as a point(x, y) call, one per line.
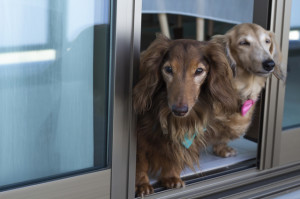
point(282, 30)
point(126, 42)
point(267, 141)
point(121, 60)
point(261, 16)
point(276, 27)
point(136, 38)
point(273, 111)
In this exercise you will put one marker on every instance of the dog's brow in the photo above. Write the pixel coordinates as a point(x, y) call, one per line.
point(203, 61)
point(166, 57)
point(247, 37)
point(263, 36)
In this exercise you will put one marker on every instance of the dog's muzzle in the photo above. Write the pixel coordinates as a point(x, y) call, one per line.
point(268, 65)
point(180, 110)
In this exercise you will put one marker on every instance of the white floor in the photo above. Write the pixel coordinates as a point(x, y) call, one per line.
point(246, 150)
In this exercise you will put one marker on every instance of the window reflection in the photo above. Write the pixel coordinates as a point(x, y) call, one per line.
point(27, 56)
point(31, 30)
point(53, 90)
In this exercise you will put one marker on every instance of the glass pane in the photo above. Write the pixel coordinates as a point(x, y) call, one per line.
point(53, 87)
point(291, 117)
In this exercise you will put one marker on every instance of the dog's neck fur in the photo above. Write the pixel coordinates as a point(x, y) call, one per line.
point(176, 127)
point(248, 84)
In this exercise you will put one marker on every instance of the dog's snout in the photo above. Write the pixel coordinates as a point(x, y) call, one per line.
point(268, 65)
point(180, 110)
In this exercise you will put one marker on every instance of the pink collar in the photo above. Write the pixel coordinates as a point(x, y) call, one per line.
point(247, 106)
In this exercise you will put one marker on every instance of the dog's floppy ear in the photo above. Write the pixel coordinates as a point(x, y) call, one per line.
point(220, 76)
point(224, 41)
point(149, 74)
point(276, 54)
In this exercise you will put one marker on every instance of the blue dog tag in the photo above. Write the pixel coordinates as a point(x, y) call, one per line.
point(187, 142)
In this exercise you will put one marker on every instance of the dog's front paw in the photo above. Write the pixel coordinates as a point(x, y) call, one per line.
point(172, 182)
point(143, 189)
point(224, 151)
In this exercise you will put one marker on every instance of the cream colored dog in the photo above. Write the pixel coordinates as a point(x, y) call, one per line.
point(253, 55)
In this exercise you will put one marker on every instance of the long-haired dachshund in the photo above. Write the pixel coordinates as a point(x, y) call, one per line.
point(254, 55)
point(178, 81)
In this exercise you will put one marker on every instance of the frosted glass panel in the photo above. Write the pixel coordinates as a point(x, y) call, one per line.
point(53, 87)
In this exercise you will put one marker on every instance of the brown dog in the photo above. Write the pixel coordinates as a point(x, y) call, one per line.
point(254, 56)
point(178, 81)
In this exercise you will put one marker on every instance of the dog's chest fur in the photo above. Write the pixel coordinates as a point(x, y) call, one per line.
point(249, 86)
point(163, 147)
point(232, 126)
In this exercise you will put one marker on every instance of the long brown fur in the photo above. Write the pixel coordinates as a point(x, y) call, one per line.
point(247, 46)
point(160, 132)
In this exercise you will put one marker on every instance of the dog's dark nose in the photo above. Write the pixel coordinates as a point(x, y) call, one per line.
point(268, 65)
point(180, 110)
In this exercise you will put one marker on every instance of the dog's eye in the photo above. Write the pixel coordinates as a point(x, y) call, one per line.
point(268, 41)
point(198, 71)
point(244, 43)
point(168, 69)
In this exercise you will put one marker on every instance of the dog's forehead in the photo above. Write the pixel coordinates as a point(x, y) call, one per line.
point(185, 50)
point(263, 34)
point(250, 32)
point(184, 46)
point(186, 55)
